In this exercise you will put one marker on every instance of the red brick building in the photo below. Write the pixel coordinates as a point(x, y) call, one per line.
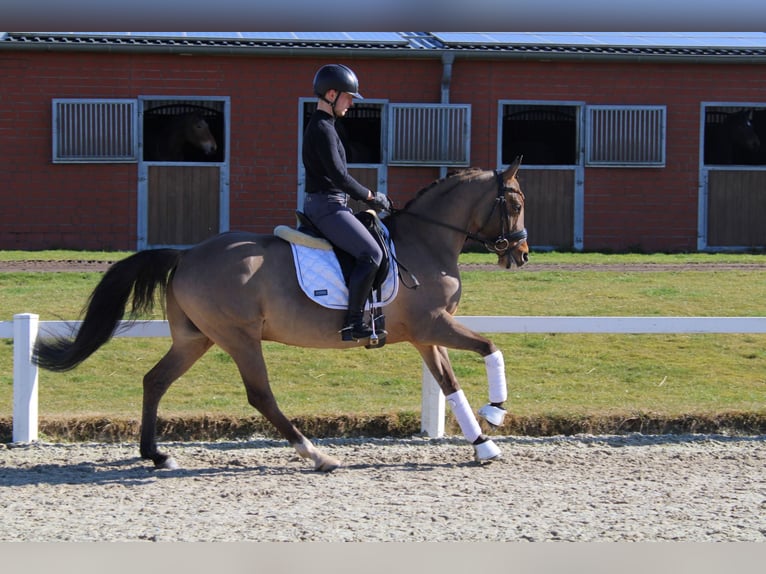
point(625, 136)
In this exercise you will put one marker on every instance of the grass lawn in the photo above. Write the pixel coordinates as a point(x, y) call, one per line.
point(564, 377)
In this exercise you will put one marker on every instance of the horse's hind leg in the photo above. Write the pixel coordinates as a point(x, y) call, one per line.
point(181, 356)
point(248, 355)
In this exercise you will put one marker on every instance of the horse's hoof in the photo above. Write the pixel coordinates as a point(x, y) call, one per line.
point(492, 414)
point(166, 463)
point(327, 464)
point(486, 451)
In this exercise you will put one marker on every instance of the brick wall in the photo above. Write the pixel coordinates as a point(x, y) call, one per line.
point(648, 209)
point(93, 206)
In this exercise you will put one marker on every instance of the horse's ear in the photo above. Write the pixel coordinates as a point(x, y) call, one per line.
point(510, 173)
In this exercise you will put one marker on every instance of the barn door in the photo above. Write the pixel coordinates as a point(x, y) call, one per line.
point(183, 189)
point(548, 136)
point(183, 204)
point(733, 175)
point(549, 201)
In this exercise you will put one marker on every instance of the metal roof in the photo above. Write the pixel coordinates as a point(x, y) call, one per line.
point(614, 39)
point(329, 37)
point(732, 46)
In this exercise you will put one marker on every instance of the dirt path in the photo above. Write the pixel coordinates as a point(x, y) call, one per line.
point(583, 488)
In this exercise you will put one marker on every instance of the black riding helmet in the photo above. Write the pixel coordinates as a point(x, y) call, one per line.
point(336, 77)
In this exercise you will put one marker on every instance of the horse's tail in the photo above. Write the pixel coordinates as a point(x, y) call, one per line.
point(140, 274)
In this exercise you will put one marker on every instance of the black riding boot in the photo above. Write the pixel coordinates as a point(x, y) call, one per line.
point(359, 287)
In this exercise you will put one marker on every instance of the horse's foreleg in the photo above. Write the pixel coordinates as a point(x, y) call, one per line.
point(157, 381)
point(450, 333)
point(252, 368)
point(437, 361)
point(322, 461)
point(494, 411)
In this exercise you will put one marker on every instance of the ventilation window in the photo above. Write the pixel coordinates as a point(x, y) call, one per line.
point(626, 136)
point(94, 131)
point(430, 134)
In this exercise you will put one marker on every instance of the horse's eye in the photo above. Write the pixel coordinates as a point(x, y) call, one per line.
point(516, 207)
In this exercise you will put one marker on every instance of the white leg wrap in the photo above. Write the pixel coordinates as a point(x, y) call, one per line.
point(498, 389)
point(464, 415)
point(486, 451)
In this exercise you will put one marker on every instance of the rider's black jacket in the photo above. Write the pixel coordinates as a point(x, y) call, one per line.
point(324, 159)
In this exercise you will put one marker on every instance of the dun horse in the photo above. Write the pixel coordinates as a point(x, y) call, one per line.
point(181, 135)
point(238, 289)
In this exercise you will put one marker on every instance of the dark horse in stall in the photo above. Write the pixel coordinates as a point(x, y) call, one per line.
point(239, 289)
point(183, 137)
point(734, 141)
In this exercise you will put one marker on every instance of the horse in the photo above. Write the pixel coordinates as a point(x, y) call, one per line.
point(183, 137)
point(238, 289)
point(734, 141)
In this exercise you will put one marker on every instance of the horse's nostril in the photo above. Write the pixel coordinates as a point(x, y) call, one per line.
point(525, 257)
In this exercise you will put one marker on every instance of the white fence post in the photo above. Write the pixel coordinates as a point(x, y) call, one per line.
point(25, 328)
point(432, 409)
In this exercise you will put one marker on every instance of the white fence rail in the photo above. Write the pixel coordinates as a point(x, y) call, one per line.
point(25, 327)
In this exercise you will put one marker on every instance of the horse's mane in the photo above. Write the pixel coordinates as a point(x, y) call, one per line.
point(453, 178)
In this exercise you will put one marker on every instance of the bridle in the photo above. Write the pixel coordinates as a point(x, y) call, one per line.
point(507, 239)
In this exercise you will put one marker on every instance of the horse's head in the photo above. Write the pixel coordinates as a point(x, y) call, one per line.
point(511, 242)
point(197, 133)
point(741, 131)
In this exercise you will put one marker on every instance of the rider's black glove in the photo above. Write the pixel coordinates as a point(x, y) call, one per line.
point(380, 202)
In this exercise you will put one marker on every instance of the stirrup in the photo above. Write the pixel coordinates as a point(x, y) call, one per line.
point(492, 414)
point(356, 331)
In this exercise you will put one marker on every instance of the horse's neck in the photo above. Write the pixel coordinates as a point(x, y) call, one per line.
point(440, 222)
point(171, 143)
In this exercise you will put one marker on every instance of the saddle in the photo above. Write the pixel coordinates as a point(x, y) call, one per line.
point(324, 276)
point(308, 235)
point(373, 224)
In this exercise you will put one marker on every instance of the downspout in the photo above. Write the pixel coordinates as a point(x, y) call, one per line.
point(448, 59)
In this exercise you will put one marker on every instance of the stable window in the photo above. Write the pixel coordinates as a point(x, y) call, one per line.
point(429, 134)
point(734, 134)
point(359, 131)
point(544, 134)
point(94, 131)
point(184, 130)
point(625, 136)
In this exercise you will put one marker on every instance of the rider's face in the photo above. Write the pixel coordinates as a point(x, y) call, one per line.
point(345, 101)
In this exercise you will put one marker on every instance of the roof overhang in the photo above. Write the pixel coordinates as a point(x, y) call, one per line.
point(523, 46)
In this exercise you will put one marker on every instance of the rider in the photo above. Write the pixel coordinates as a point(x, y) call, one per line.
point(329, 185)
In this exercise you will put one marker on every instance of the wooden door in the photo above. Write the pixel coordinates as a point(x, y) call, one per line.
point(183, 204)
point(736, 210)
point(549, 206)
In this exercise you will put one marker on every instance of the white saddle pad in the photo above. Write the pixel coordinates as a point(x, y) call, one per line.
point(320, 276)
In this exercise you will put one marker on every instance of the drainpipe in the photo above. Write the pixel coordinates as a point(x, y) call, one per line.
point(447, 60)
